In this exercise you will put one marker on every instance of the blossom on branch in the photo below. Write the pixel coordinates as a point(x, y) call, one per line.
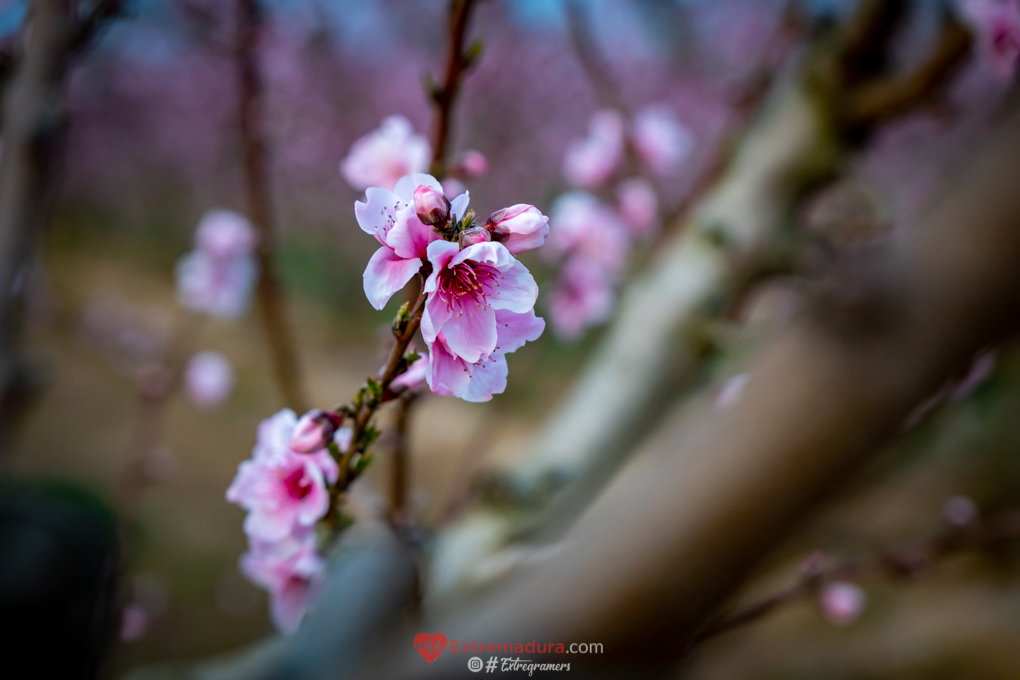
point(290, 570)
point(591, 161)
point(383, 156)
point(661, 140)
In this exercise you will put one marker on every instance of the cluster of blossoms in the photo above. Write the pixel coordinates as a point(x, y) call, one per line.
point(476, 306)
point(285, 487)
point(217, 277)
point(996, 24)
point(593, 226)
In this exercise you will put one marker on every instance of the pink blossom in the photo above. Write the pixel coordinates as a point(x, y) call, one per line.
point(134, 623)
point(290, 570)
point(732, 388)
point(314, 431)
point(208, 378)
point(841, 603)
point(216, 286)
point(638, 205)
point(224, 234)
point(520, 227)
point(590, 161)
point(960, 511)
point(582, 297)
point(661, 140)
point(283, 490)
point(431, 206)
point(996, 24)
point(414, 377)
point(453, 186)
point(390, 216)
point(582, 226)
point(450, 375)
point(466, 289)
point(383, 156)
point(475, 164)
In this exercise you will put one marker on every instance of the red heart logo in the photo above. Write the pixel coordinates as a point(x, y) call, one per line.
point(430, 646)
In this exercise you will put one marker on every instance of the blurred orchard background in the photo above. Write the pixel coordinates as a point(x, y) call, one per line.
point(153, 143)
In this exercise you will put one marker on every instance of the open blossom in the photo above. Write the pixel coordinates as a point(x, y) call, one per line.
point(582, 297)
point(661, 140)
point(590, 161)
point(382, 157)
point(282, 490)
point(224, 234)
point(582, 226)
point(466, 288)
point(450, 375)
point(208, 378)
point(638, 205)
point(996, 24)
point(390, 216)
point(290, 570)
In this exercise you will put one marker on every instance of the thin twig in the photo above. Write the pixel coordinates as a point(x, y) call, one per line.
point(271, 299)
point(903, 562)
point(457, 63)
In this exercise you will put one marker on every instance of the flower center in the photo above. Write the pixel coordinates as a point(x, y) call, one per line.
point(467, 282)
point(297, 485)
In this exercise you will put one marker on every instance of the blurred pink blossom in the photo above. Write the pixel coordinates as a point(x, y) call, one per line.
point(216, 286)
point(282, 490)
point(291, 570)
point(383, 156)
point(582, 226)
point(414, 377)
point(996, 24)
point(224, 234)
point(590, 161)
point(390, 217)
point(520, 227)
point(466, 290)
point(453, 186)
point(582, 297)
point(661, 140)
point(731, 390)
point(638, 205)
point(841, 603)
point(474, 163)
point(208, 379)
point(134, 623)
point(960, 511)
point(314, 430)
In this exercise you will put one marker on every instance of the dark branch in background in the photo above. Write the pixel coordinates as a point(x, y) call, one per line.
point(271, 300)
point(458, 62)
point(596, 67)
point(34, 125)
point(900, 563)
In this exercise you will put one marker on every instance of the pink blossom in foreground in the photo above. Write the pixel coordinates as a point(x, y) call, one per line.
point(224, 234)
point(661, 140)
point(638, 205)
point(582, 297)
point(450, 375)
point(282, 490)
point(466, 289)
point(841, 603)
point(208, 379)
point(382, 157)
point(414, 377)
point(520, 227)
point(290, 570)
point(216, 286)
point(390, 216)
point(581, 226)
point(996, 24)
point(431, 206)
point(590, 161)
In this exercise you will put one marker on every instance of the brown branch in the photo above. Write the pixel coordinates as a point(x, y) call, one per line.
point(400, 460)
point(271, 299)
point(907, 561)
point(457, 64)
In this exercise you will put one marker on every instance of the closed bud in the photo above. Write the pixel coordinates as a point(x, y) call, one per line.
point(431, 206)
point(520, 227)
point(474, 235)
point(314, 431)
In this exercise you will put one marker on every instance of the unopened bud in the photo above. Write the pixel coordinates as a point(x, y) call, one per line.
point(314, 431)
point(431, 206)
point(474, 235)
point(520, 227)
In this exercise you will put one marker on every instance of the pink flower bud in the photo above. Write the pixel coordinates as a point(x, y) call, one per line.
point(473, 236)
point(475, 164)
point(841, 603)
point(520, 227)
point(431, 206)
point(314, 431)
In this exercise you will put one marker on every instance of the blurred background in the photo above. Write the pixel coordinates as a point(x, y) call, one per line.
point(152, 144)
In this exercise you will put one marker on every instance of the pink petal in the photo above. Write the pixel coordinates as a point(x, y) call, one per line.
point(447, 374)
point(386, 274)
point(472, 333)
point(376, 217)
point(488, 377)
point(409, 238)
point(406, 185)
point(513, 330)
